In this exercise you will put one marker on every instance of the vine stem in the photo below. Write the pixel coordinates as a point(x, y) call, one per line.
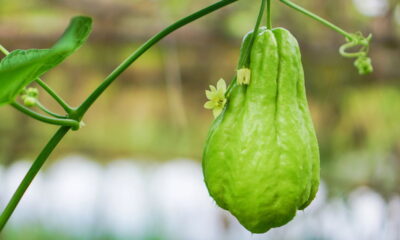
point(269, 17)
point(4, 50)
point(245, 62)
point(147, 45)
point(44, 109)
point(55, 96)
point(317, 18)
point(55, 121)
point(59, 135)
point(33, 171)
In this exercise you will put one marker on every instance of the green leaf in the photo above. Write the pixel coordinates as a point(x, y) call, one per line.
point(21, 67)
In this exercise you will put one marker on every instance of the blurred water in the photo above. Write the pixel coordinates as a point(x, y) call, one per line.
point(372, 8)
point(129, 199)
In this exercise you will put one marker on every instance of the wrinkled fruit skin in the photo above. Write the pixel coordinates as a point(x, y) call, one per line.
point(261, 159)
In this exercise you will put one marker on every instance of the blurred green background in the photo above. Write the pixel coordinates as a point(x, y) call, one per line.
point(154, 112)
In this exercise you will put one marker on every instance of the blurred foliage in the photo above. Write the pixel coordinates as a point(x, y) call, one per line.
point(369, 120)
point(366, 139)
point(155, 110)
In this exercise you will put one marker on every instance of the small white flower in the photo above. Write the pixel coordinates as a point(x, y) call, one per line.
point(216, 97)
point(243, 76)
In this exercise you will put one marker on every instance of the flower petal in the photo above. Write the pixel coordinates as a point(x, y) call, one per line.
point(217, 112)
point(209, 105)
point(221, 85)
point(209, 94)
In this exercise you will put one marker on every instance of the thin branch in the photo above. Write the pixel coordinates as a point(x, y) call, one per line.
point(42, 118)
point(317, 18)
point(44, 109)
point(146, 46)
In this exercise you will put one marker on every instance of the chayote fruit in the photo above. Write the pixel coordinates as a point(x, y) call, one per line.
point(261, 159)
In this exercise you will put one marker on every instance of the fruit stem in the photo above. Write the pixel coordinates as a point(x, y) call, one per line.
point(245, 63)
point(269, 21)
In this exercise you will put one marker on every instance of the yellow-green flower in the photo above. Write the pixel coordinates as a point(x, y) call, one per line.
point(216, 97)
point(243, 76)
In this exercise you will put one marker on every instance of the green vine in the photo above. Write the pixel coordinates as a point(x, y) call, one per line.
point(245, 61)
point(363, 63)
point(54, 121)
point(269, 16)
point(146, 46)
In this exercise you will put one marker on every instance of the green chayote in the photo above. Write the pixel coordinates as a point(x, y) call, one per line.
point(261, 159)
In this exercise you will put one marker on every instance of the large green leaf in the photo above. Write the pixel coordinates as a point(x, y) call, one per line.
point(22, 67)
